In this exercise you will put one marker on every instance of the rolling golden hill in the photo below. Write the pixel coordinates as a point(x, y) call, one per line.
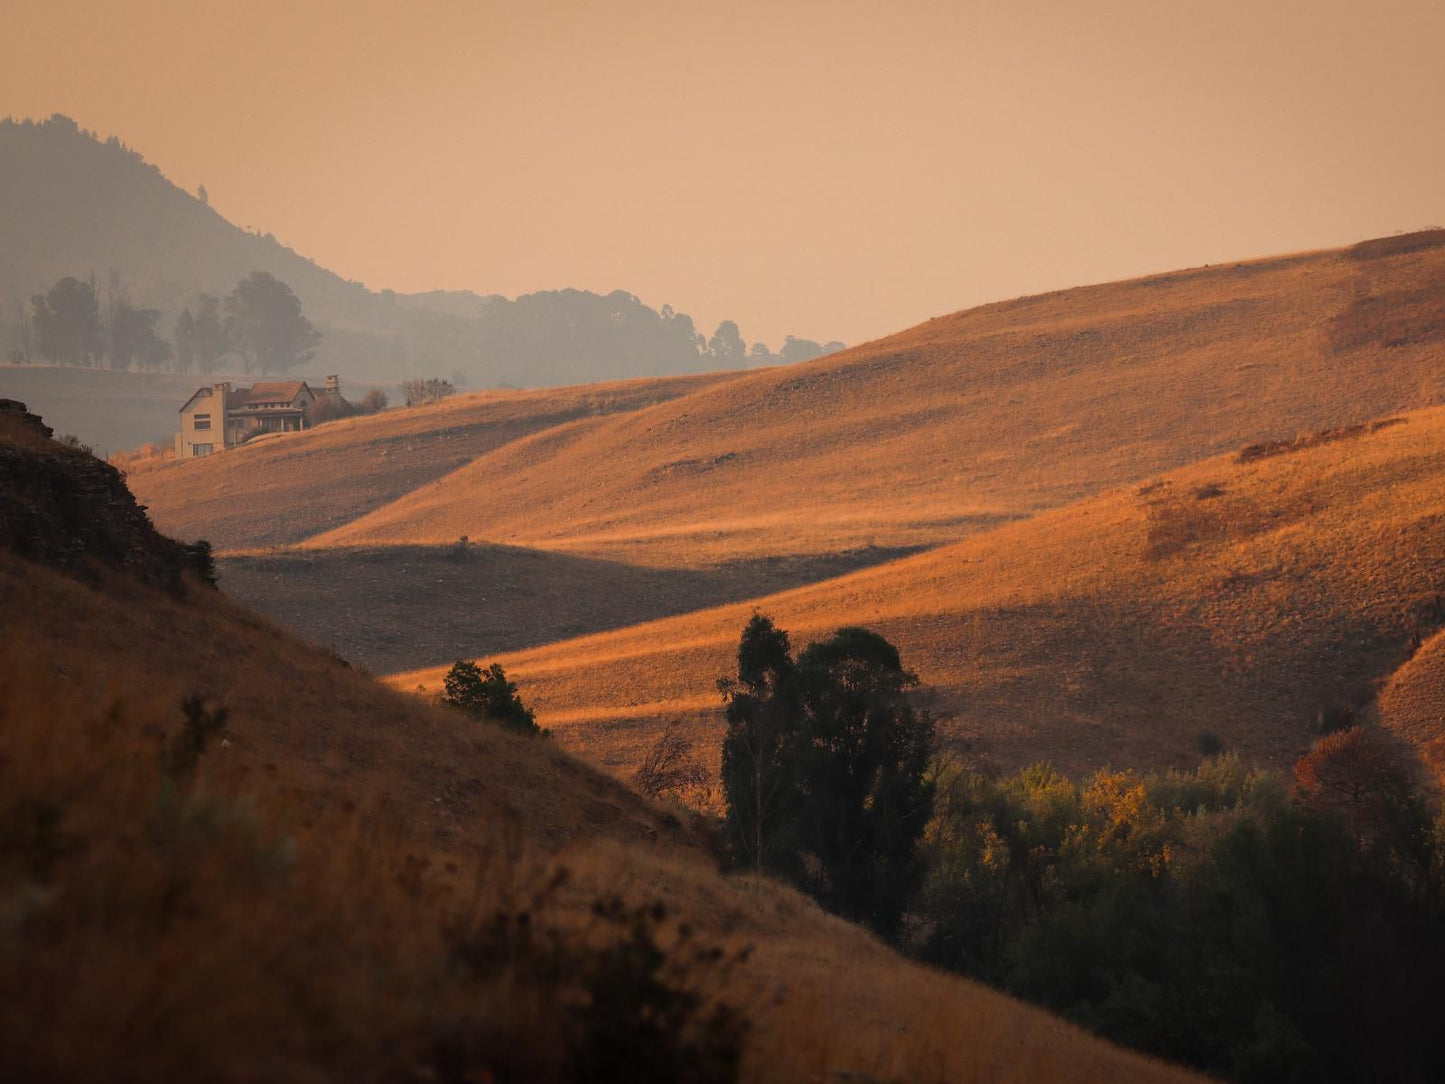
point(961, 423)
point(1239, 597)
point(289, 487)
point(788, 476)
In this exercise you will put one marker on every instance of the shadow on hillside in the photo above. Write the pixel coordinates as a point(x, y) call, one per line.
point(404, 607)
point(1129, 681)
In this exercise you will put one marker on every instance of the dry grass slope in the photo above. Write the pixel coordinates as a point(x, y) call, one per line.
point(960, 423)
point(283, 489)
point(1235, 598)
point(399, 607)
point(1412, 704)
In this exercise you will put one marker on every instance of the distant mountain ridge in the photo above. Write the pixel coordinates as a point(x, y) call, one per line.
point(71, 204)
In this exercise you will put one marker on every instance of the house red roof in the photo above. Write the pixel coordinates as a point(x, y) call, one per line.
point(283, 391)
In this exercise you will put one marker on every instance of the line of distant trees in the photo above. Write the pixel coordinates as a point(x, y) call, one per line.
point(95, 324)
point(728, 350)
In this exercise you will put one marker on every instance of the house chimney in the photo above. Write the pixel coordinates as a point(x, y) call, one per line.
point(333, 385)
point(220, 393)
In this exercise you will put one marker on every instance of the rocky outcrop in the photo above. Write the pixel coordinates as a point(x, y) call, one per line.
point(62, 506)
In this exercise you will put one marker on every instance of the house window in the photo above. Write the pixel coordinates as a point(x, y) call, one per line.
point(201, 449)
point(201, 421)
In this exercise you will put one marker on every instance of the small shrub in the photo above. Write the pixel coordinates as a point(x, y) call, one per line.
point(70, 440)
point(373, 402)
point(670, 767)
point(419, 391)
point(1209, 744)
point(461, 550)
point(487, 694)
point(145, 457)
point(200, 559)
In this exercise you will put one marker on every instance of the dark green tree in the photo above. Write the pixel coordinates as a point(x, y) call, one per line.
point(863, 763)
point(825, 769)
point(758, 777)
point(265, 324)
point(67, 325)
point(487, 694)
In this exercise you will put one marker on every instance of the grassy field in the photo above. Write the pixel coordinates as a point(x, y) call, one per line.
point(1233, 599)
point(953, 426)
point(1095, 588)
point(1412, 704)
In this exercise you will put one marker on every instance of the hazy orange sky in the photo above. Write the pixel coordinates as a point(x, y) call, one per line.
point(831, 170)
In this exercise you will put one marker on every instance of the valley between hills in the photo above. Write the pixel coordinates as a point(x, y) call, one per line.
point(1046, 503)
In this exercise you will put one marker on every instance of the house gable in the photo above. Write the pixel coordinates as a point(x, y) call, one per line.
point(219, 416)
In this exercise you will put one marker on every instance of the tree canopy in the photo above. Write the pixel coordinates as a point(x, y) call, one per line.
point(487, 694)
point(726, 347)
point(825, 769)
point(264, 323)
point(200, 337)
point(67, 324)
point(133, 338)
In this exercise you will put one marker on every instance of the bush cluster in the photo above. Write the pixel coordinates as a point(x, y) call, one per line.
point(487, 694)
point(1220, 917)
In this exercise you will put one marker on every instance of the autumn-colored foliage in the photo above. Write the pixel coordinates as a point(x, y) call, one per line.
point(1203, 916)
point(1365, 774)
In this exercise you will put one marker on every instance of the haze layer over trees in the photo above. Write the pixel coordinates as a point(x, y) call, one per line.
point(74, 207)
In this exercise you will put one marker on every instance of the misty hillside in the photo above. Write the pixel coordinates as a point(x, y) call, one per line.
point(73, 205)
